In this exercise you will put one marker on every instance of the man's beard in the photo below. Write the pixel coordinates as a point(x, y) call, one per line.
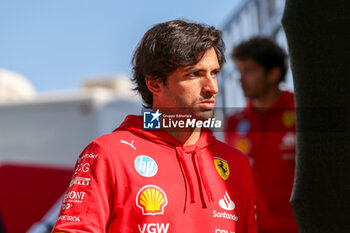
point(202, 114)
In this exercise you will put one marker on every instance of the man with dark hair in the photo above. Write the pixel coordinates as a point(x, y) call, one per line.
point(265, 131)
point(169, 46)
point(146, 180)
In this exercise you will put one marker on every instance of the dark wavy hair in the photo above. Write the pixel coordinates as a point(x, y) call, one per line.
point(170, 45)
point(265, 52)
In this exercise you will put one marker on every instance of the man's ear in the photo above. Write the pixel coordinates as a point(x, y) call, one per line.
point(274, 75)
point(154, 84)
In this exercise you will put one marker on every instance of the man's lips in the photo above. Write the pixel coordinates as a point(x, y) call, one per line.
point(207, 104)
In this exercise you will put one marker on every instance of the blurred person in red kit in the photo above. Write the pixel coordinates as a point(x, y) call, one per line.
point(146, 178)
point(265, 131)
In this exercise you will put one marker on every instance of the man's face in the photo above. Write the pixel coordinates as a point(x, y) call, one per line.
point(192, 89)
point(254, 79)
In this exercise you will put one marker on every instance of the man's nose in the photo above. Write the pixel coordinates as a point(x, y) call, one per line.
point(210, 85)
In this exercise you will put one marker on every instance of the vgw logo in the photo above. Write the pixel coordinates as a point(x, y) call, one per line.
point(154, 228)
point(151, 120)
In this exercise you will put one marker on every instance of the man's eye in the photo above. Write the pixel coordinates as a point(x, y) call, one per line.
point(215, 72)
point(194, 74)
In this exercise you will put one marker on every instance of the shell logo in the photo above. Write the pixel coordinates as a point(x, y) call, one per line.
point(243, 144)
point(151, 200)
point(289, 118)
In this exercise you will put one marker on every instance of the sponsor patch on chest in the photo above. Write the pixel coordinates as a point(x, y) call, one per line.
point(222, 167)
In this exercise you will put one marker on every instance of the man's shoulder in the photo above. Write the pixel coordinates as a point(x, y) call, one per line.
point(240, 114)
point(238, 121)
point(119, 141)
point(288, 99)
point(114, 135)
point(227, 152)
point(289, 94)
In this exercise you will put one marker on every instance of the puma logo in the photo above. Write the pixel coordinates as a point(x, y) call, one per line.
point(130, 144)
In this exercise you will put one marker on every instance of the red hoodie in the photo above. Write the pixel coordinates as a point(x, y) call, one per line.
point(268, 138)
point(144, 181)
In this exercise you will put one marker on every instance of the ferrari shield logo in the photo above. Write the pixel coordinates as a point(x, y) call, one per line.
point(222, 167)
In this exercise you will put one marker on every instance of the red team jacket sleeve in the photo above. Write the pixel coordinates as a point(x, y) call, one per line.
point(88, 202)
point(250, 216)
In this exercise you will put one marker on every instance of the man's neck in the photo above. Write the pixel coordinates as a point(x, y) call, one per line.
point(185, 136)
point(267, 100)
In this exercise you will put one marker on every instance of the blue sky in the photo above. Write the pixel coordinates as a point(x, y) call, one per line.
point(56, 43)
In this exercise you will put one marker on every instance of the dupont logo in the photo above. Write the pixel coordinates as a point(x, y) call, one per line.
point(151, 200)
point(151, 120)
point(226, 203)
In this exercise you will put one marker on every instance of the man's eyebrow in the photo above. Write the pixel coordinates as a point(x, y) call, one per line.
point(193, 69)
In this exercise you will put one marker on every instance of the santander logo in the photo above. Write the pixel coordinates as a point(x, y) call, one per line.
point(226, 203)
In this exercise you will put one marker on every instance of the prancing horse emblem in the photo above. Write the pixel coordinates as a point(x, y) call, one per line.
point(222, 167)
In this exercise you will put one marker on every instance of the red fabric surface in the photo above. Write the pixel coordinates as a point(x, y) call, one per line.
point(28, 192)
